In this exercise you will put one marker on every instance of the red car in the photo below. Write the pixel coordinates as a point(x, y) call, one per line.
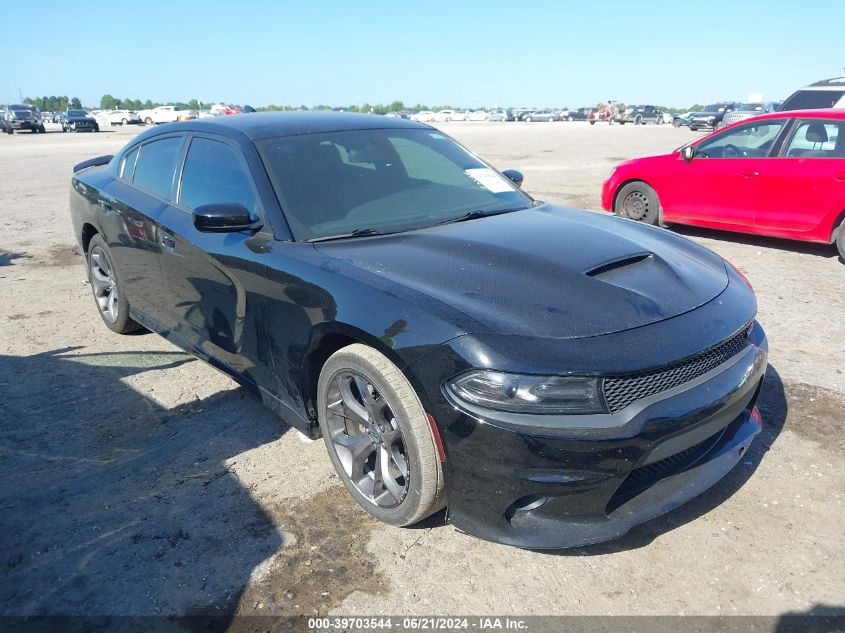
point(780, 174)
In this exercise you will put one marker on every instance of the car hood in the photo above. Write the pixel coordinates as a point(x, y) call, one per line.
point(546, 271)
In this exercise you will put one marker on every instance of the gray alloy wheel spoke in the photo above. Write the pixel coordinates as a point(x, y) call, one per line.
point(385, 474)
point(353, 409)
point(399, 461)
point(353, 452)
point(103, 284)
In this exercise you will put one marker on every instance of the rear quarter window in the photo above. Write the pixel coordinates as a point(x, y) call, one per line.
point(156, 164)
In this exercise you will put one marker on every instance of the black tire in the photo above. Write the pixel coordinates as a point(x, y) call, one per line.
point(10, 130)
point(676, 123)
point(638, 201)
point(42, 129)
point(124, 122)
point(122, 323)
point(423, 492)
point(592, 122)
point(148, 121)
point(96, 128)
point(638, 121)
point(569, 118)
point(840, 241)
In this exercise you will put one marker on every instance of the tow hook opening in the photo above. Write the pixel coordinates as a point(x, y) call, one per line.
point(525, 504)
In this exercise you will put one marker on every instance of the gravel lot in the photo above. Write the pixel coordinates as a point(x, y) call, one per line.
point(136, 480)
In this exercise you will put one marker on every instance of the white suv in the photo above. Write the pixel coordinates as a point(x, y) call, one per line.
point(827, 93)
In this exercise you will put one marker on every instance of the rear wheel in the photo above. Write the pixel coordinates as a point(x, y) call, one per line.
point(110, 298)
point(840, 241)
point(378, 436)
point(638, 201)
point(148, 121)
point(638, 121)
point(676, 123)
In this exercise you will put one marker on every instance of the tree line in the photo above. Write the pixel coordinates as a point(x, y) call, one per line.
point(109, 102)
point(54, 104)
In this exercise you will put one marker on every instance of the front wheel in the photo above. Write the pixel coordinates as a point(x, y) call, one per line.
point(148, 121)
point(638, 201)
point(378, 436)
point(110, 298)
point(676, 123)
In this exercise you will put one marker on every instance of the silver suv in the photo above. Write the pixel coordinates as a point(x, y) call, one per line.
point(748, 110)
point(827, 93)
point(21, 117)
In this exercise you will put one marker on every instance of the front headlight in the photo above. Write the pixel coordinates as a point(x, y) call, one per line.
point(519, 393)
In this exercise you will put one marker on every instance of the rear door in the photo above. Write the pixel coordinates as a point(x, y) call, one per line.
point(131, 207)
point(720, 186)
point(215, 281)
point(804, 187)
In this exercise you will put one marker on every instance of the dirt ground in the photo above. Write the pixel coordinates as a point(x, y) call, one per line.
point(136, 480)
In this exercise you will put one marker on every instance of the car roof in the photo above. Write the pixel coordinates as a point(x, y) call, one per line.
point(261, 125)
point(833, 83)
point(823, 113)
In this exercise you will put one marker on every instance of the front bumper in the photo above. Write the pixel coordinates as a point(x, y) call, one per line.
point(21, 124)
point(703, 123)
point(570, 488)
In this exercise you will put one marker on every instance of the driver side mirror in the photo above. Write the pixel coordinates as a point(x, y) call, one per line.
point(228, 217)
point(687, 153)
point(514, 176)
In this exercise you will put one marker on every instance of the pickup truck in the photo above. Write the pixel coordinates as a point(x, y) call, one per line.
point(14, 118)
point(165, 114)
point(640, 115)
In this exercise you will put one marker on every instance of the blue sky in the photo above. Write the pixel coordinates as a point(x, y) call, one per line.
point(513, 52)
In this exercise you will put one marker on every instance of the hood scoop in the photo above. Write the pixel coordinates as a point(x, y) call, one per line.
point(632, 260)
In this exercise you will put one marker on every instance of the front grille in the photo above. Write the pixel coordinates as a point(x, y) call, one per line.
point(620, 391)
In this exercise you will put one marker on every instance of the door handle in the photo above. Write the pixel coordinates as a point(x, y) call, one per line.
point(105, 206)
point(750, 174)
point(168, 242)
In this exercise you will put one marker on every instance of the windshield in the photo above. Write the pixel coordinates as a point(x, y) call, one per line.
point(386, 180)
point(716, 107)
point(751, 107)
point(77, 113)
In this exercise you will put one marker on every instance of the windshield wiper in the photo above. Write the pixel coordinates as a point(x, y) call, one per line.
point(480, 213)
point(355, 233)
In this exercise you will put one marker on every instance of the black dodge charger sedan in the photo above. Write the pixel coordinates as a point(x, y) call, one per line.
point(553, 377)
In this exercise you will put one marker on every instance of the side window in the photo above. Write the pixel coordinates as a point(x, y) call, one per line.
point(213, 174)
point(127, 167)
point(754, 140)
point(817, 139)
point(155, 165)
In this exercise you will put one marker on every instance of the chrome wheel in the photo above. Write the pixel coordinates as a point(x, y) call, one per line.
point(367, 439)
point(635, 205)
point(103, 283)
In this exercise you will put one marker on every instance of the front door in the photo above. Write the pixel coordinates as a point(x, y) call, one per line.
point(214, 281)
point(720, 186)
point(806, 184)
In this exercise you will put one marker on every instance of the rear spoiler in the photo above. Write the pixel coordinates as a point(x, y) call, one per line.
point(93, 162)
